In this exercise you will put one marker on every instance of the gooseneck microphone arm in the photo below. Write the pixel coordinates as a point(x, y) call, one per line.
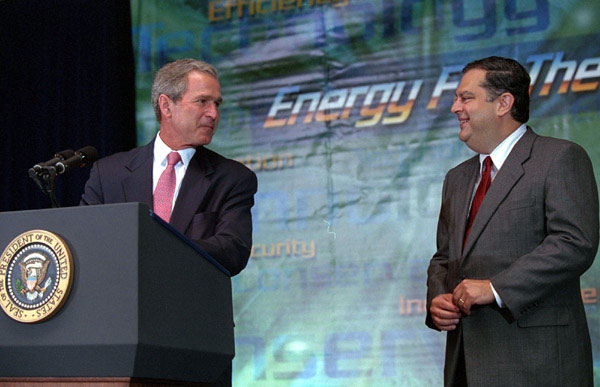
point(44, 174)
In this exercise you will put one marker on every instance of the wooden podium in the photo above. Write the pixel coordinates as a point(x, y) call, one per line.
point(147, 307)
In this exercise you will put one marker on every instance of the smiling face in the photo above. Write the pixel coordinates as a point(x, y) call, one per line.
point(193, 119)
point(479, 121)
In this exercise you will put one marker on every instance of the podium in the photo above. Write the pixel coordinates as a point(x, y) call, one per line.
point(146, 305)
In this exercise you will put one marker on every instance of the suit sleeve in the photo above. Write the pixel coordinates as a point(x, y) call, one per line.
point(571, 241)
point(92, 193)
point(437, 272)
point(232, 241)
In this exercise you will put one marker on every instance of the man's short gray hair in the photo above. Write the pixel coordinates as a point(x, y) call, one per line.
point(171, 80)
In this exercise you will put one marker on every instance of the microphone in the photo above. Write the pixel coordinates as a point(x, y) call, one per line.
point(83, 157)
point(59, 156)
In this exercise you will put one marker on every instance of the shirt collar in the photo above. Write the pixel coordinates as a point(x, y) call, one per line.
point(501, 152)
point(162, 150)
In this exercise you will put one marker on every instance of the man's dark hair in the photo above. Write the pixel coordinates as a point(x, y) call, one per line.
point(171, 80)
point(505, 75)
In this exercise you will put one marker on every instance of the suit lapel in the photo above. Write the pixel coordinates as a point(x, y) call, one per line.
point(193, 189)
point(138, 186)
point(510, 173)
point(463, 195)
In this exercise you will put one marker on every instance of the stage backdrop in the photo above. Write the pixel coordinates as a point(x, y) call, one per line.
point(342, 110)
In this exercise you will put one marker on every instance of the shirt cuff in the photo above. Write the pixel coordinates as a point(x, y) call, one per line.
point(497, 297)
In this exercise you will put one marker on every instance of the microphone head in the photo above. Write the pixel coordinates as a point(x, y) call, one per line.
point(82, 157)
point(89, 154)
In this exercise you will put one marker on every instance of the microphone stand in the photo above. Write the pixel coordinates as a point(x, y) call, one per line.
point(45, 179)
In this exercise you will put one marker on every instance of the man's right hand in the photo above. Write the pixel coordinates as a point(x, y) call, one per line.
point(444, 313)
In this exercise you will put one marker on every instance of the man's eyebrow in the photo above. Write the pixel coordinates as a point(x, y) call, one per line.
point(206, 96)
point(465, 94)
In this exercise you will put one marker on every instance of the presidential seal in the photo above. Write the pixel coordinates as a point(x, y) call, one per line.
point(36, 274)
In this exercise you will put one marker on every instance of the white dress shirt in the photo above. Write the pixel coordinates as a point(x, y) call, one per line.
point(161, 151)
point(500, 153)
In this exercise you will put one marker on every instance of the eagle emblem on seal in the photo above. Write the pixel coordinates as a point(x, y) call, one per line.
point(33, 273)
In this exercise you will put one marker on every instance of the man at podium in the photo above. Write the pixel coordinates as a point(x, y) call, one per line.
point(202, 194)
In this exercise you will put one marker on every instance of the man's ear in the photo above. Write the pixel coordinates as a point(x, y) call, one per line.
point(505, 104)
point(165, 103)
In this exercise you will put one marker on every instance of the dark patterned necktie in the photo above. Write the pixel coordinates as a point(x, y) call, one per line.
point(484, 184)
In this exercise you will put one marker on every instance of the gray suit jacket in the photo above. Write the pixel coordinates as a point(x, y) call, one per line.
point(212, 207)
point(535, 234)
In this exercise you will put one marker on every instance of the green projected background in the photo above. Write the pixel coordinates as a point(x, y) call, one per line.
point(342, 109)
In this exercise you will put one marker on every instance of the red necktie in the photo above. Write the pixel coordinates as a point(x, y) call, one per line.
point(484, 184)
point(165, 188)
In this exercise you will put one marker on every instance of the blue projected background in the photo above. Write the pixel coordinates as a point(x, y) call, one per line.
point(342, 108)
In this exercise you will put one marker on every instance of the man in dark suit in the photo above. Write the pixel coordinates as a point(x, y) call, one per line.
point(213, 195)
point(513, 239)
point(209, 197)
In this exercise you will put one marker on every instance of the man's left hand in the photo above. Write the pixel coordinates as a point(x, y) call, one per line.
point(472, 292)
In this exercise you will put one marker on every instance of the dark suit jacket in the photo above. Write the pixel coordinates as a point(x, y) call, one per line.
point(535, 234)
point(212, 207)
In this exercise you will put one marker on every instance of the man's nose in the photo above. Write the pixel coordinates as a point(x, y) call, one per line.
point(456, 106)
point(212, 110)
